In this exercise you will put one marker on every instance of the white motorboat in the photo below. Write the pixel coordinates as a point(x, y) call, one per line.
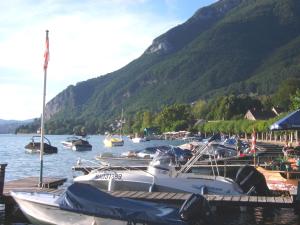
point(68, 143)
point(83, 204)
point(138, 139)
point(162, 175)
point(77, 144)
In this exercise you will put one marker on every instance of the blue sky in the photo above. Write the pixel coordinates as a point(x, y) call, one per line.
point(88, 38)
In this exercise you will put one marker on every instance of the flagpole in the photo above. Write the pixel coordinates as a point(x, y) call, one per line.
point(43, 111)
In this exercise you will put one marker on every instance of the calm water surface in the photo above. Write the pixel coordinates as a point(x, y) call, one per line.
point(21, 164)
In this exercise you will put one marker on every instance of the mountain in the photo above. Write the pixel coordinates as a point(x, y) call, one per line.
point(9, 126)
point(232, 46)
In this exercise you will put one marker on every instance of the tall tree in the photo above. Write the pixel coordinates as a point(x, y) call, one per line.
point(282, 96)
point(295, 100)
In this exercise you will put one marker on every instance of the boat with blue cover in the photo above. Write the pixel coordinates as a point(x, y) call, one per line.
point(84, 204)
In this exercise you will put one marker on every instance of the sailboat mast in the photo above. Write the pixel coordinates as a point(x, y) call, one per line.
point(46, 55)
point(121, 129)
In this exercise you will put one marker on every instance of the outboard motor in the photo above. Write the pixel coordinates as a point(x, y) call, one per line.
point(252, 181)
point(195, 209)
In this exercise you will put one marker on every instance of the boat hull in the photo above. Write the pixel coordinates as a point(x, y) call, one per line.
point(44, 214)
point(138, 140)
point(81, 148)
point(33, 148)
point(77, 144)
point(113, 142)
point(144, 181)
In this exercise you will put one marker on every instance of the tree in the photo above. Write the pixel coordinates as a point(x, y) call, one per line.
point(177, 116)
point(229, 107)
point(137, 124)
point(147, 119)
point(295, 100)
point(282, 96)
point(198, 109)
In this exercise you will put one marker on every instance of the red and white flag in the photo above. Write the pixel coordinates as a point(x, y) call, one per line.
point(46, 54)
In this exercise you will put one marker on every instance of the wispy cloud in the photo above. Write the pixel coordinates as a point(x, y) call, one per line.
point(87, 39)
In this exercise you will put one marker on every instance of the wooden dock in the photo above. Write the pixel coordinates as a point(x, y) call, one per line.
point(31, 183)
point(214, 200)
point(51, 184)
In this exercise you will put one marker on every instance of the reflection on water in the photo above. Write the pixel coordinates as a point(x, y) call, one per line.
point(265, 216)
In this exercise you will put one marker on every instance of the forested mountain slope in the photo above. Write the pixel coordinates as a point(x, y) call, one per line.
point(232, 46)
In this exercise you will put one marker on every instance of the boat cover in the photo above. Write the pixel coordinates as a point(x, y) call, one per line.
point(289, 122)
point(86, 199)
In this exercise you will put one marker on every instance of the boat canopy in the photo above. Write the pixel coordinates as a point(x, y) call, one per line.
point(86, 199)
point(171, 155)
point(289, 122)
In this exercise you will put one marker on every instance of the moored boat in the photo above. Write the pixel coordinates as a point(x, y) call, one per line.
point(138, 139)
point(84, 204)
point(77, 144)
point(34, 146)
point(113, 141)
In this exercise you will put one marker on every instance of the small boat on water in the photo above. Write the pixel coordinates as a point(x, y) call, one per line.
point(113, 141)
point(83, 204)
point(138, 139)
point(77, 144)
point(34, 146)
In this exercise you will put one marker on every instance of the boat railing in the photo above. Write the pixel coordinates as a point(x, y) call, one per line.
point(199, 153)
point(33, 138)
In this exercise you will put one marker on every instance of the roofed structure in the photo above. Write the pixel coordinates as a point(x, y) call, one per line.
point(255, 114)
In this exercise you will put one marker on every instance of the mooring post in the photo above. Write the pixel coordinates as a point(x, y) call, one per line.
point(298, 193)
point(2, 177)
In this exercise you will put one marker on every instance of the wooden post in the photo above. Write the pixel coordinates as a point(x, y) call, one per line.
point(298, 192)
point(225, 170)
point(2, 177)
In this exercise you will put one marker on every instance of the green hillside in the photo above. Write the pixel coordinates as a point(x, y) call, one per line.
point(232, 46)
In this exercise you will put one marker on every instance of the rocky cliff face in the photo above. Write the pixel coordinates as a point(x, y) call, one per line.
point(61, 101)
point(179, 36)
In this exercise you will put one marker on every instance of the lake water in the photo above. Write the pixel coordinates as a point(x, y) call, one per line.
point(21, 164)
